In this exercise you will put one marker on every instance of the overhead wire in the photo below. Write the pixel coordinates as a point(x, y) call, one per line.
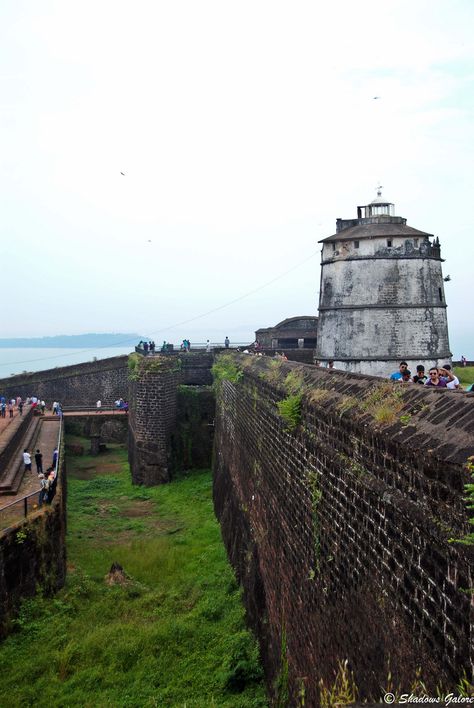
point(177, 324)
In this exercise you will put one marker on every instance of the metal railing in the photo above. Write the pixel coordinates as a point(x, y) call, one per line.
point(19, 509)
point(92, 409)
point(197, 346)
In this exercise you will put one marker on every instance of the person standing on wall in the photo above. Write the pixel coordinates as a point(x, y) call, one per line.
point(208, 346)
point(226, 342)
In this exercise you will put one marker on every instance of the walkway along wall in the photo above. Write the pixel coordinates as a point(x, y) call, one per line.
point(33, 555)
point(337, 514)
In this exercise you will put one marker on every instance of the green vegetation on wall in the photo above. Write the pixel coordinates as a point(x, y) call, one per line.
point(139, 365)
point(226, 368)
point(290, 410)
point(316, 496)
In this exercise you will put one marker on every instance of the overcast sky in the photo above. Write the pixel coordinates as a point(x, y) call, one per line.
point(244, 130)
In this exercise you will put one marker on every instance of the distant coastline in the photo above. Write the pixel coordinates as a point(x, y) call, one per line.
point(72, 341)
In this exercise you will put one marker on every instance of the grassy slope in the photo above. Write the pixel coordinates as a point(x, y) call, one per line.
point(465, 374)
point(173, 636)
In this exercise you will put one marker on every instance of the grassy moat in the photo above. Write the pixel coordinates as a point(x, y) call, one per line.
point(171, 634)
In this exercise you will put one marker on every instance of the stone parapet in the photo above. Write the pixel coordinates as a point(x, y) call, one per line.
point(340, 530)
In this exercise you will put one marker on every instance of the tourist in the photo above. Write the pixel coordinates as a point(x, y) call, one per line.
point(455, 381)
point(463, 360)
point(227, 342)
point(39, 461)
point(55, 407)
point(208, 346)
point(406, 376)
point(152, 347)
point(3, 408)
point(145, 347)
point(163, 346)
point(98, 406)
point(27, 460)
point(330, 364)
point(44, 489)
point(55, 458)
point(53, 481)
point(20, 407)
point(435, 379)
point(10, 409)
point(420, 376)
point(397, 375)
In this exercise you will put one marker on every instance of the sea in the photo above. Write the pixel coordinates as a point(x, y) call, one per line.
point(18, 361)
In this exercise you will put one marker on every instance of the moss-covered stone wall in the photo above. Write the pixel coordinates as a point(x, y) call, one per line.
point(338, 497)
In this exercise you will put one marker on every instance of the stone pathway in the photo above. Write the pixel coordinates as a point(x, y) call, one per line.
point(46, 442)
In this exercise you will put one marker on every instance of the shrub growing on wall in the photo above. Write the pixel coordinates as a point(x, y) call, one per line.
point(290, 410)
point(226, 368)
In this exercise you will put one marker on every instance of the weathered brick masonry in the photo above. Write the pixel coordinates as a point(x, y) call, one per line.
point(163, 435)
point(339, 531)
point(77, 385)
point(33, 555)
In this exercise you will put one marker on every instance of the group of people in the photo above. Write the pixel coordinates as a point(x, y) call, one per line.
point(48, 481)
point(438, 376)
point(121, 404)
point(185, 345)
point(9, 404)
point(147, 346)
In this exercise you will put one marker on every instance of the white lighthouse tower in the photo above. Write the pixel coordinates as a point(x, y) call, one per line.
point(382, 294)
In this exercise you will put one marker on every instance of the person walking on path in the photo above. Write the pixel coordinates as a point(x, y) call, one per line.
point(39, 462)
point(44, 489)
point(10, 409)
point(3, 409)
point(55, 457)
point(20, 408)
point(27, 460)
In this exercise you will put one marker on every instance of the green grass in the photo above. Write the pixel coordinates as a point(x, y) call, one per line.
point(465, 375)
point(173, 635)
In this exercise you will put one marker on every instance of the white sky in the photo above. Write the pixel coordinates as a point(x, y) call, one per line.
point(244, 129)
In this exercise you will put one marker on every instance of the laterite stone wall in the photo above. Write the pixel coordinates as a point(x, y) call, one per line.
point(77, 385)
point(171, 418)
point(340, 529)
point(33, 555)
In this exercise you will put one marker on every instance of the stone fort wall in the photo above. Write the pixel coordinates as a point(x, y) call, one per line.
point(77, 385)
point(340, 529)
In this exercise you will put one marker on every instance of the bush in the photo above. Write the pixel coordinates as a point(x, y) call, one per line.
point(226, 368)
point(290, 410)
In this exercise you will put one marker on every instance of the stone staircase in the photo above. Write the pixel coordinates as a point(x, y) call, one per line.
point(11, 474)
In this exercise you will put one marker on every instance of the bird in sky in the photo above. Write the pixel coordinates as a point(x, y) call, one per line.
point(376, 98)
point(123, 174)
